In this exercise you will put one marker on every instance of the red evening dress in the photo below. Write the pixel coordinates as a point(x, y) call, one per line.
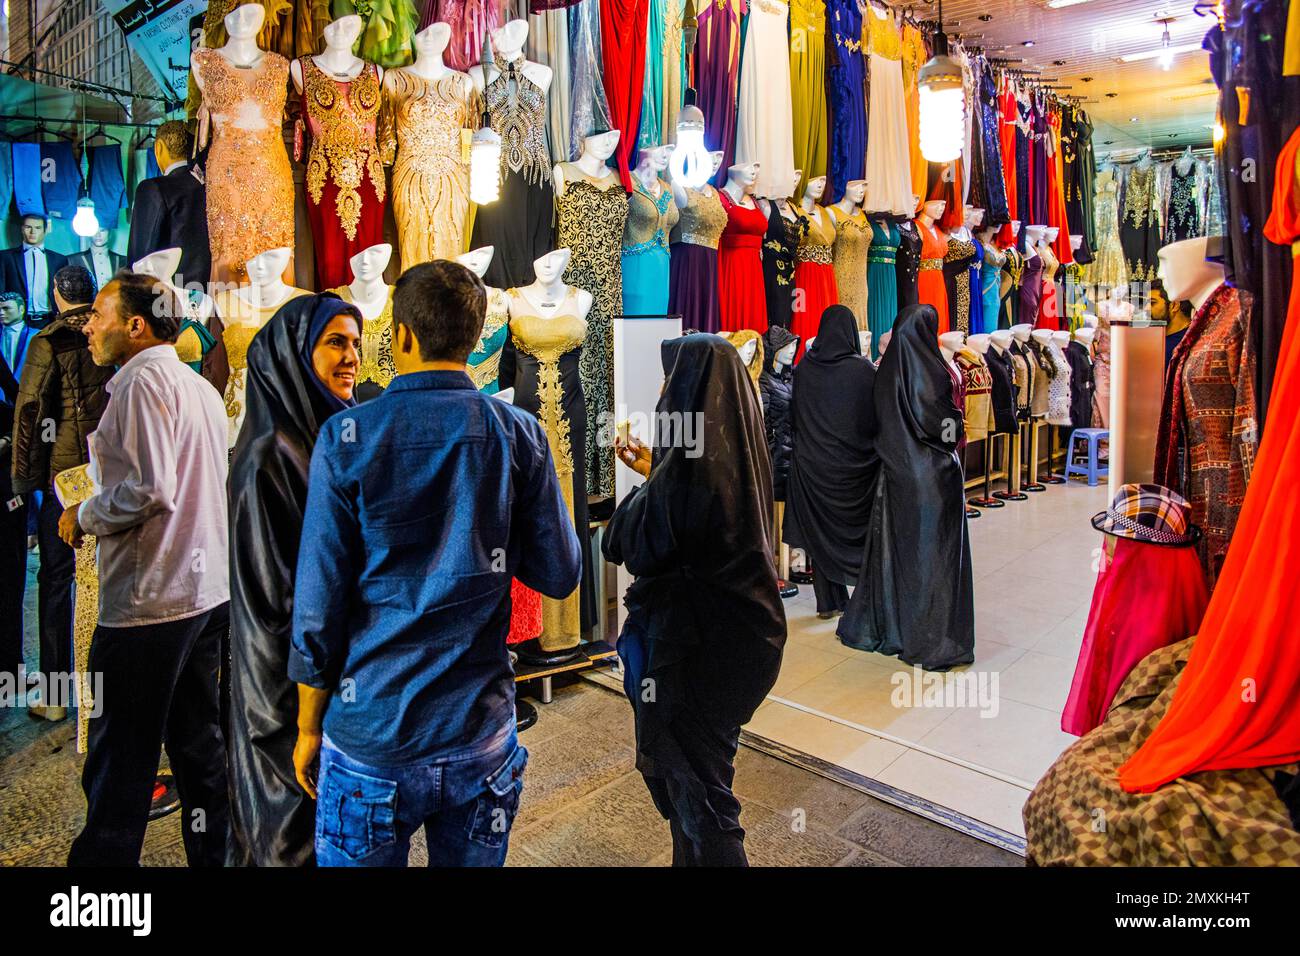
point(741, 292)
point(930, 287)
point(814, 276)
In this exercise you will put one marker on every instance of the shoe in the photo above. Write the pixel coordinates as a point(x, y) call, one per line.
point(532, 653)
point(801, 577)
point(165, 798)
point(787, 589)
point(825, 615)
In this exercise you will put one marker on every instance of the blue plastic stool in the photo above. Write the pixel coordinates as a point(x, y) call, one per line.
point(1094, 438)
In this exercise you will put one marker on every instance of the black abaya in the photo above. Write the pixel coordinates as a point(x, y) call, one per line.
point(775, 388)
point(833, 465)
point(273, 820)
point(915, 596)
point(705, 627)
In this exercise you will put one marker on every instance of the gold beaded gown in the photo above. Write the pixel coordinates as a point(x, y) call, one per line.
point(242, 321)
point(420, 127)
point(852, 243)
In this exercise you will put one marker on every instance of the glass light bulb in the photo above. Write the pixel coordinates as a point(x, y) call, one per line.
point(85, 223)
point(690, 165)
point(943, 124)
point(485, 167)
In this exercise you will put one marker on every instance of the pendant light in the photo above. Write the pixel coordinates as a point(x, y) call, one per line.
point(691, 166)
point(84, 222)
point(943, 103)
point(485, 164)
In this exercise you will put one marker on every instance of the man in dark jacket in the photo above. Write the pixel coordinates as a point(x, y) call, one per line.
point(60, 399)
point(170, 211)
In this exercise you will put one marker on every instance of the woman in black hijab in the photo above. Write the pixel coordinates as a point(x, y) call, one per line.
point(833, 466)
point(914, 597)
point(302, 367)
point(705, 627)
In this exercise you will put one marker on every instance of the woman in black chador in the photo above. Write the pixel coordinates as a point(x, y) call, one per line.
point(914, 597)
point(833, 465)
point(705, 627)
point(301, 367)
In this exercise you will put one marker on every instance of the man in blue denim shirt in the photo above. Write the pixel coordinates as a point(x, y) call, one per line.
point(422, 504)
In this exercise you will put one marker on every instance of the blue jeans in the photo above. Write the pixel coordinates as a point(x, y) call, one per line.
point(366, 816)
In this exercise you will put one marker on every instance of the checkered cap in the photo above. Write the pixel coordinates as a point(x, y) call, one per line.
point(1149, 513)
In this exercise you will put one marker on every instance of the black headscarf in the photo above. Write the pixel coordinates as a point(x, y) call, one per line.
point(776, 389)
point(914, 597)
point(698, 537)
point(833, 463)
point(272, 819)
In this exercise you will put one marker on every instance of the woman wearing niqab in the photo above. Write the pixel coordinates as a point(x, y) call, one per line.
point(915, 596)
point(273, 820)
point(833, 463)
point(705, 629)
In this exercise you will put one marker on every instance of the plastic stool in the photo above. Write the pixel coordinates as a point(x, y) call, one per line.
point(1094, 437)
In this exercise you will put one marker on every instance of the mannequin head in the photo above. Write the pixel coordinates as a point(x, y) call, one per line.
point(855, 190)
point(268, 267)
point(1061, 337)
point(431, 41)
point(1085, 335)
point(979, 342)
point(973, 216)
point(951, 343)
point(510, 38)
point(933, 209)
point(1088, 320)
point(747, 350)
point(885, 338)
point(478, 260)
point(1015, 227)
point(1075, 242)
point(244, 22)
point(916, 204)
point(343, 32)
point(715, 158)
point(1041, 336)
point(654, 158)
point(743, 175)
point(794, 183)
point(1050, 233)
point(1034, 234)
point(1000, 339)
point(785, 355)
point(864, 342)
point(1021, 332)
point(1186, 273)
point(550, 267)
point(161, 264)
point(816, 186)
point(601, 146)
point(369, 264)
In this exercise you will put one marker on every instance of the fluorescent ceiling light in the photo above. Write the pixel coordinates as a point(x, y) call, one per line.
point(1159, 51)
point(1057, 4)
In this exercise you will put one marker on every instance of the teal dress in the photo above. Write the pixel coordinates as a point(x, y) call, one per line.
point(485, 361)
point(645, 249)
point(882, 282)
point(652, 96)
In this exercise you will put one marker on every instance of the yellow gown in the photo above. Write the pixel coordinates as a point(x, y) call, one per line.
point(808, 87)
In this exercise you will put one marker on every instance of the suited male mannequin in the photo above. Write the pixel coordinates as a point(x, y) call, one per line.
point(170, 211)
point(100, 261)
point(32, 259)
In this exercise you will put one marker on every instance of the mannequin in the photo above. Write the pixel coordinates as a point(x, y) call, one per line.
point(592, 208)
point(814, 274)
point(741, 295)
point(775, 388)
point(1012, 276)
point(931, 289)
point(852, 240)
point(1031, 279)
point(540, 360)
point(243, 101)
point(980, 344)
point(693, 266)
point(427, 105)
point(749, 344)
point(960, 259)
point(779, 254)
point(908, 260)
point(1078, 354)
point(950, 344)
point(1186, 274)
point(244, 310)
point(197, 334)
point(1058, 406)
point(651, 216)
point(518, 224)
point(1049, 311)
point(864, 340)
point(1084, 335)
point(374, 298)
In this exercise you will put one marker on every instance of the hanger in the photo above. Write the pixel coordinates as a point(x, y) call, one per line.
point(100, 131)
point(40, 129)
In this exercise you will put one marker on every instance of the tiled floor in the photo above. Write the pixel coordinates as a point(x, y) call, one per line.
point(1035, 563)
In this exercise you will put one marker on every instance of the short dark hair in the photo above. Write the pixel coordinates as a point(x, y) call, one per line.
point(176, 137)
point(443, 305)
point(75, 285)
point(35, 215)
point(145, 296)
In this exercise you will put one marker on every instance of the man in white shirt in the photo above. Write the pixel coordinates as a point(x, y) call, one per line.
point(158, 459)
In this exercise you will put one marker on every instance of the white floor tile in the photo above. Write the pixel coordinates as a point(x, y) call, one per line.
point(1021, 741)
point(950, 785)
point(830, 741)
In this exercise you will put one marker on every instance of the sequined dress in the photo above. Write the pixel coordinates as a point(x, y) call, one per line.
point(956, 274)
point(780, 247)
point(1108, 267)
point(592, 214)
point(650, 221)
point(242, 321)
point(485, 361)
point(1139, 230)
point(693, 269)
point(249, 182)
point(849, 254)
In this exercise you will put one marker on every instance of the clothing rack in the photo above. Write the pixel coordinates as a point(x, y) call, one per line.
point(84, 86)
point(43, 123)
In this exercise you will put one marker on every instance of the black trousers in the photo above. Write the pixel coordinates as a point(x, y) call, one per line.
point(13, 575)
point(54, 581)
point(159, 681)
point(831, 596)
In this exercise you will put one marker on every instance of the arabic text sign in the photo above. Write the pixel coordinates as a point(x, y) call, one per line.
point(159, 33)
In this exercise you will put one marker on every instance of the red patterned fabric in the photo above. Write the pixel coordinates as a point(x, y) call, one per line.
point(525, 613)
point(622, 50)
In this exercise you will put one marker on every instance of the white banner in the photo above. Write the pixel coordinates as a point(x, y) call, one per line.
point(158, 31)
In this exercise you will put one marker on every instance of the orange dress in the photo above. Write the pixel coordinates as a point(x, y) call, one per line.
point(930, 287)
point(1235, 706)
point(914, 57)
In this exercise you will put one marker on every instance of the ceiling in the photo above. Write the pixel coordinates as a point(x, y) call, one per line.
point(1150, 106)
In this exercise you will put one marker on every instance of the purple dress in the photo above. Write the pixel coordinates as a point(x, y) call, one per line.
point(717, 68)
point(1031, 291)
point(693, 267)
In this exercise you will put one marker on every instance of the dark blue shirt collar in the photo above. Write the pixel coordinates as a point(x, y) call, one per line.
point(440, 378)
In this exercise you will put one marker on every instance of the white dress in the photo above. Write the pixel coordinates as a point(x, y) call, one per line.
point(765, 115)
point(1058, 392)
point(889, 160)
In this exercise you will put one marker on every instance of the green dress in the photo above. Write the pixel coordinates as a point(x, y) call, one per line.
point(388, 27)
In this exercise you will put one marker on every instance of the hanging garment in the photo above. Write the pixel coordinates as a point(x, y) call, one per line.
point(693, 269)
point(1002, 391)
point(996, 211)
point(1081, 385)
point(623, 27)
point(107, 184)
point(814, 276)
point(420, 137)
point(540, 362)
point(833, 464)
point(1031, 288)
point(977, 394)
point(913, 58)
point(717, 68)
point(845, 75)
point(590, 105)
point(915, 596)
point(882, 281)
point(242, 321)
point(808, 88)
point(765, 118)
point(470, 22)
point(1139, 229)
point(1183, 220)
point(780, 251)
point(1057, 214)
point(775, 388)
point(27, 179)
point(908, 264)
point(1049, 305)
point(60, 180)
point(1101, 372)
point(1079, 176)
point(957, 259)
point(1008, 119)
point(931, 289)
point(387, 30)
point(976, 297)
point(592, 215)
point(1206, 447)
point(991, 287)
point(548, 42)
point(742, 298)
point(249, 182)
point(650, 220)
point(849, 255)
point(484, 363)
point(1108, 267)
point(888, 164)
point(518, 224)
point(652, 91)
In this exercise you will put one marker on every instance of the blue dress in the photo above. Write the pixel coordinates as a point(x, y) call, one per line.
point(976, 289)
point(645, 250)
point(882, 281)
point(848, 107)
point(991, 288)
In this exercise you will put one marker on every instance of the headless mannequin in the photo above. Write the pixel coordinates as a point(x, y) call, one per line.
point(370, 294)
point(508, 42)
point(1075, 242)
point(1049, 235)
point(1041, 336)
point(680, 195)
point(1021, 333)
point(549, 290)
point(595, 150)
point(864, 342)
point(1117, 306)
point(160, 265)
point(740, 184)
point(854, 192)
point(1186, 273)
point(338, 62)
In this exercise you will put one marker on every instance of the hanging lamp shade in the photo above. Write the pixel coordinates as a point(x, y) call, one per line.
point(943, 103)
point(485, 166)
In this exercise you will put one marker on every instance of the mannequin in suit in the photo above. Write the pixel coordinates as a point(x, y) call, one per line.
point(171, 210)
point(18, 263)
point(100, 261)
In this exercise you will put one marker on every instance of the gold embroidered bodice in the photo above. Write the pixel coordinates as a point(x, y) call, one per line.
point(189, 347)
point(703, 220)
point(516, 108)
point(649, 220)
point(376, 341)
point(1139, 196)
point(817, 240)
point(242, 321)
point(880, 34)
point(421, 121)
point(342, 115)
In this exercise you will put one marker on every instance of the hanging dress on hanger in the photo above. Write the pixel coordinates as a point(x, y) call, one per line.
point(1183, 220)
point(914, 56)
point(845, 75)
point(808, 88)
point(765, 118)
point(888, 164)
point(717, 66)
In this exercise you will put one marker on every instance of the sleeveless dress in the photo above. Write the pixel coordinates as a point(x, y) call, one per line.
point(814, 276)
point(249, 181)
point(956, 274)
point(991, 287)
point(717, 67)
point(780, 247)
point(852, 241)
point(765, 118)
point(908, 264)
point(1108, 268)
point(930, 287)
point(808, 88)
point(376, 342)
point(650, 220)
point(1031, 289)
point(882, 281)
point(420, 137)
point(742, 299)
point(242, 321)
point(693, 271)
point(485, 361)
point(592, 214)
point(345, 178)
point(914, 56)
point(518, 224)
point(889, 175)
point(540, 361)
point(975, 270)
